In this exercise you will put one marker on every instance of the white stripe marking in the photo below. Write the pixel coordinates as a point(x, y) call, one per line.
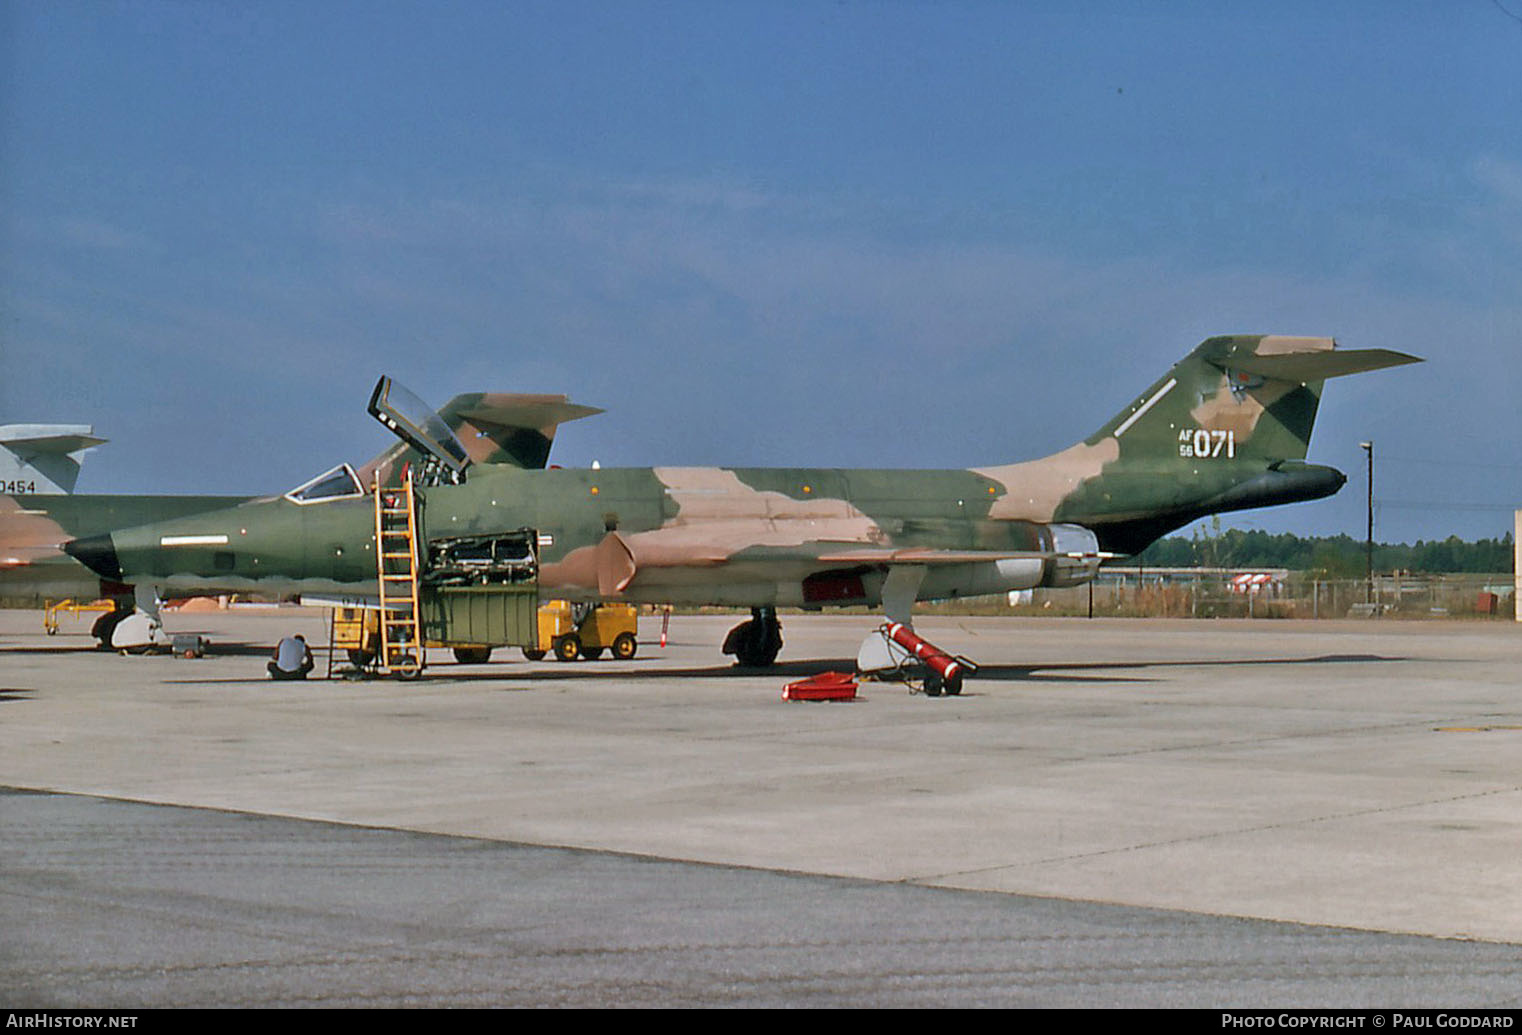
point(193, 540)
point(1145, 407)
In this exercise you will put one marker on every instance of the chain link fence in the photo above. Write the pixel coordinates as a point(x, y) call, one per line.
point(1223, 594)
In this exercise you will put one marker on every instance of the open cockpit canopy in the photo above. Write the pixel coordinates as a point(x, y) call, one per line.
point(415, 423)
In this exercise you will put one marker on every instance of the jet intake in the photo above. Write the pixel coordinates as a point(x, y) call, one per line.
point(1076, 557)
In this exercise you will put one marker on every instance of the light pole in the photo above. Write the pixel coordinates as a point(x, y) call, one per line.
point(1368, 448)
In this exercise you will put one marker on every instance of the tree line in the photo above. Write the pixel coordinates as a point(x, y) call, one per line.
point(1339, 556)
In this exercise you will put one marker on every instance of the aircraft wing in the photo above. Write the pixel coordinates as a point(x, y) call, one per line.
point(927, 556)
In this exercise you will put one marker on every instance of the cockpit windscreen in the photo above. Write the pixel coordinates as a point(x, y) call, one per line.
point(340, 483)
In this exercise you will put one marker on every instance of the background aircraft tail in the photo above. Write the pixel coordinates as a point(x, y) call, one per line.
point(42, 459)
point(495, 428)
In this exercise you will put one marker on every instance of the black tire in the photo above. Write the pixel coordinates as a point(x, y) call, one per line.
point(106, 625)
point(533, 653)
point(592, 653)
point(756, 643)
point(735, 639)
point(625, 646)
point(933, 685)
point(360, 658)
point(760, 658)
point(568, 647)
point(472, 655)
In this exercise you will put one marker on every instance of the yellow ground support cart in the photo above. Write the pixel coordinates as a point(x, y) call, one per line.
point(566, 630)
point(574, 631)
point(72, 607)
point(357, 631)
point(473, 621)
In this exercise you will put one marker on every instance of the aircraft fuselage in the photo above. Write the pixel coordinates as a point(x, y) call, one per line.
point(743, 536)
point(1226, 428)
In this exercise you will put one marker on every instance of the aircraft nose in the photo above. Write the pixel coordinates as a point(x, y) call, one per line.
point(98, 553)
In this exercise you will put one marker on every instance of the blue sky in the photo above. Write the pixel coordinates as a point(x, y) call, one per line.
point(857, 234)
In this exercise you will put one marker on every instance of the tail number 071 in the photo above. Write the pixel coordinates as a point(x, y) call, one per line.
point(1207, 445)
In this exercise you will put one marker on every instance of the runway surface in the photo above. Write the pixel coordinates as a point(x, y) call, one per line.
point(1115, 813)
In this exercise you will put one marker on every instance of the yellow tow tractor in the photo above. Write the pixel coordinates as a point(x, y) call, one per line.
point(574, 631)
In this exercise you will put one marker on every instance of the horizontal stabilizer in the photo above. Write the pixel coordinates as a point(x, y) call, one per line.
point(1315, 365)
point(540, 412)
point(41, 458)
point(510, 427)
point(48, 438)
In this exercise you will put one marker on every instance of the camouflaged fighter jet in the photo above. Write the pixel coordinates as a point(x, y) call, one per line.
point(493, 428)
point(1225, 429)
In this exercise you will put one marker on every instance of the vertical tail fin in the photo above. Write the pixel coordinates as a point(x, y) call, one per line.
point(43, 458)
point(1238, 396)
point(1226, 429)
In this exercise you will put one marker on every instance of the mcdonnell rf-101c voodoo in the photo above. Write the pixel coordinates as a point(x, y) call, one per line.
point(1225, 429)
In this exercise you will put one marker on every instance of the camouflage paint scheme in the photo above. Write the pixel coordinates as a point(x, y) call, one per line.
point(495, 428)
point(33, 529)
point(1226, 428)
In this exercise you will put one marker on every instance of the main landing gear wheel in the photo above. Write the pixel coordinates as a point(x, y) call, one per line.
point(756, 643)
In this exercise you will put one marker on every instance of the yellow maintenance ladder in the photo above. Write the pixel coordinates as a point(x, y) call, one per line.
point(396, 564)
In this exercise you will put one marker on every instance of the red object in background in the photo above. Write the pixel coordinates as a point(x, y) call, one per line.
point(827, 686)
